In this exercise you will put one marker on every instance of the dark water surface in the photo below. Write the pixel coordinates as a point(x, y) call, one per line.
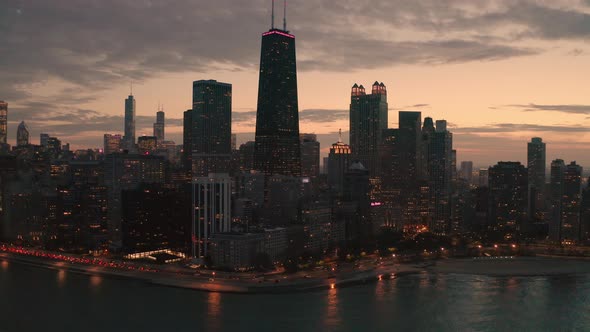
point(34, 299)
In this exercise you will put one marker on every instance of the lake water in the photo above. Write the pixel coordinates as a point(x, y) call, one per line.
point(34, 299)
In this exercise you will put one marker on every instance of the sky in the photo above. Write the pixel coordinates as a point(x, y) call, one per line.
point(500, 72)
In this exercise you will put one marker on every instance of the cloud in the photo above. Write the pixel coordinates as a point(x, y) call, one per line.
point(93, 46)
point(517, 128)
point(571, 109)
point(323, 115)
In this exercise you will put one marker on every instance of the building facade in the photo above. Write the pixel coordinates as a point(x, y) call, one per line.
point(368, 119)
point(277, 149)
point(211, 127)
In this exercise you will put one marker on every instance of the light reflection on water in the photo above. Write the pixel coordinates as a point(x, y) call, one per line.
point(332, 317)
point(424, 302)
point(95, 281)
point(61, 278)
point(214, 310)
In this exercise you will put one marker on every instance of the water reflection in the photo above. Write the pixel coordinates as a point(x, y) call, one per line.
point(61, 277)
point(4, 265)
point(332, 318)
point(214, 310)
point(95, 281)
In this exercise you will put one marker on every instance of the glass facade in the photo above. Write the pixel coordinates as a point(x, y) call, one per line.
point(211, 127)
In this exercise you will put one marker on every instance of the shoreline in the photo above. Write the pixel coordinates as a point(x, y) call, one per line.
point(503, 267)
point(223, 285)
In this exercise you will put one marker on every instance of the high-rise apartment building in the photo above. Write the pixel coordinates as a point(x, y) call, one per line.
point(566, 199)
point(508, 198)
point(212, 210)
point(536, 164)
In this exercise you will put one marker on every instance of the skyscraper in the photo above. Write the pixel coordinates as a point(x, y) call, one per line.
point(536, 164)
point(440, 171)
point(566, 199)
point(277, 148)
point(3, 121)
point(338, 163)
point(211, 127)
point(129, 138)
point(410, 148)
point(159, 126)
point(368, 119)
point(508, 195)
point(310, 155)
point(22, 134)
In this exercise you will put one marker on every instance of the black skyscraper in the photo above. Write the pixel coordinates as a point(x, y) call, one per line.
point(211, 127)
point(277, 149)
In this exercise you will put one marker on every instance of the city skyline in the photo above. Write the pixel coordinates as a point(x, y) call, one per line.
point(491, 85)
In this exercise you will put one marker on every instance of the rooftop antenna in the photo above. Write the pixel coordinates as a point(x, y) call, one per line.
point(340, 135)
point(285, 15)
point(273, 15)
point(131, 88)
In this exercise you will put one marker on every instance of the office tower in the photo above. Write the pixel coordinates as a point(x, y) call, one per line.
point(147, 144)
point(368, 119)
point(508, 198)
point(467, 171)
point(211, 127)
point(566, 198)
point(536, 163)
point(3, 122)
point(22, 134)
point(338, 163)
point(159, 126)
point(129, 138)
point(112, 143)
point(440, 172)
point(310, 155)
point(410, 149)
point(187, 139)
point(212, 210)
point(43, 138)
point(277, 117)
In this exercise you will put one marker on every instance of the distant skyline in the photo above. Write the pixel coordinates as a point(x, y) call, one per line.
point(499, 72)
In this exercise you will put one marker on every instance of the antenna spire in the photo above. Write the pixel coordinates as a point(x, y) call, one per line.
point(273, 15)
point(285, 15)
point(131, 88)
point(340, 135)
